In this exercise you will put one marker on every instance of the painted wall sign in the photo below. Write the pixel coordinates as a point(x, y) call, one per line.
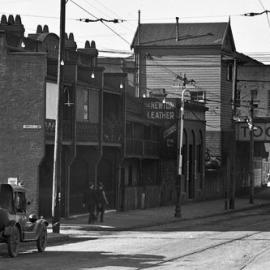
point(261, 132)
point(157, 110)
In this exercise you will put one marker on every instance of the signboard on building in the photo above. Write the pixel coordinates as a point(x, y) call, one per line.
point(13, 180)
point(261, 132)
point(158, 109)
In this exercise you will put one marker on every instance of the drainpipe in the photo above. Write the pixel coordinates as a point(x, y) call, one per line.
point(123, 151)
point(100, 135)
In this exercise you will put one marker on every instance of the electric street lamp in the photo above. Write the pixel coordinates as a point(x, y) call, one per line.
point(180, 153)
point(180, 131)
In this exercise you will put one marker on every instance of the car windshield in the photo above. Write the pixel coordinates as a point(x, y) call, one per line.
point(5, 198)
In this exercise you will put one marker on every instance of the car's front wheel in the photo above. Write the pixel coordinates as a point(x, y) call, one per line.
point(42, 240)
point(13, 242)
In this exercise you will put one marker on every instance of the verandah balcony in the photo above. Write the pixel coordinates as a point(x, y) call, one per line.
point(85, 131)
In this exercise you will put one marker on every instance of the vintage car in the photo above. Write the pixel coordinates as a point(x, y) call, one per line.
point(15, 226)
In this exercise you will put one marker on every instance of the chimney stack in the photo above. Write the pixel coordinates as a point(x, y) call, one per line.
point(177, 29)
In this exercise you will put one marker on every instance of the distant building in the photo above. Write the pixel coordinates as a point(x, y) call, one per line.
point(169, 54)
point(253, 82)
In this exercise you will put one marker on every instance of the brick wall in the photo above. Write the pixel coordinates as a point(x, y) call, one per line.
point(22, 83)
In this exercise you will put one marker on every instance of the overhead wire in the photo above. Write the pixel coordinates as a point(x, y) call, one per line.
point(266, 12)
point(88, 12)
point(112, 11)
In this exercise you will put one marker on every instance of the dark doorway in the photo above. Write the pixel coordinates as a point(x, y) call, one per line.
point(106, 174)
point(78, 183)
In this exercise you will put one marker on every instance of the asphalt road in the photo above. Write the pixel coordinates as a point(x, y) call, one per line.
point(237, 241)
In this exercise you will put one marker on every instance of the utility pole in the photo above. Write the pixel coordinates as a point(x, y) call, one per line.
point(251, 153)
point(180, 130)
point(56, 189)
point(179, 160)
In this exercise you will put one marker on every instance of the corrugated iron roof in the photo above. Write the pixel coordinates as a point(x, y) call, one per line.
point(164, 34)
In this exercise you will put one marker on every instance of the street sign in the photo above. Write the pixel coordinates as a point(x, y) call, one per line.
point(31, 126)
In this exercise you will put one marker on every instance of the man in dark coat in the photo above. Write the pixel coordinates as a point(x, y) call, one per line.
point(90, 201)
point(101, 201)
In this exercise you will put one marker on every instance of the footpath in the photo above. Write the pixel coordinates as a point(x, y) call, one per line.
point(142, 218)
point(135, 219)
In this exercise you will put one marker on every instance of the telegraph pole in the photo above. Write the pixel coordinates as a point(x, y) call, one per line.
point(56, 189)
point(251, 153)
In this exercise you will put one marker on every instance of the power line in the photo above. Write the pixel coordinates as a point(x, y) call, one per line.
point(100, 21)
point(111, 11)
point(86, 20)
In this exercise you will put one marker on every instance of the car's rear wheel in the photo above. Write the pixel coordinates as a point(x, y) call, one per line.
point(13, 242)
point(42, 240)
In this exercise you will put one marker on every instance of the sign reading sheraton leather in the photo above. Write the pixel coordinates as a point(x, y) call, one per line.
point(155, 109)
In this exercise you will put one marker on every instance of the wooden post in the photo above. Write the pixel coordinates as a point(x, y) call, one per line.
point(56, 189)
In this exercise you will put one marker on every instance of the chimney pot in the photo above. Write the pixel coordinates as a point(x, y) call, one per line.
point(10, 19)
point(18, 20)
point(87, 44)
point(39, 29)
point(45, 29)
point(4, 19)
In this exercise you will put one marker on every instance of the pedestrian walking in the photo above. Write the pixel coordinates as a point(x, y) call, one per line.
point(101, 201)
point(90, 201)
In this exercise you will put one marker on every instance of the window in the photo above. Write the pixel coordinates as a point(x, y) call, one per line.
point(85, 105)
point(229, 74)
point(20, 202)
point(93, 97)
point(198, 96)
point(253, 93)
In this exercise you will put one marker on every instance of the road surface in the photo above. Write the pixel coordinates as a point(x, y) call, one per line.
point(236, 241)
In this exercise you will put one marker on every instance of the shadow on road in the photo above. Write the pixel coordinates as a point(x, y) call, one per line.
point(72, 260)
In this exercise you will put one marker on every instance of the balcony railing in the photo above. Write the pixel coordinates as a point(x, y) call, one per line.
point(50, 129)
point(136, 147)
point(86, 132)
point(112, 134)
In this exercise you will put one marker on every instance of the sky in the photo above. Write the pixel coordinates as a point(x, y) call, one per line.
point(251, 34)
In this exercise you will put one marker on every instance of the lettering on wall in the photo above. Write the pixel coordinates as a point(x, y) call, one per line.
point(260, 133)
point(157, 110)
